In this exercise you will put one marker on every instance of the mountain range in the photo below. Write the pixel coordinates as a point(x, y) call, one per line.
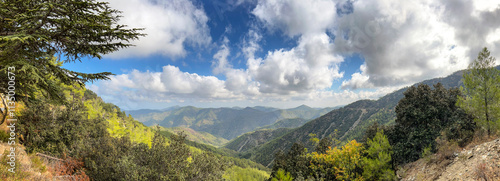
point(227, 123)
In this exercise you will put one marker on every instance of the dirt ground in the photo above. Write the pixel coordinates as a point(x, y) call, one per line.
point(479, 162)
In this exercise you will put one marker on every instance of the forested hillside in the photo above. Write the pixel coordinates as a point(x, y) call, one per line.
point(227, 123)
point(351, 121)
point(254, 139)
point(108, 141)
point(197, 136)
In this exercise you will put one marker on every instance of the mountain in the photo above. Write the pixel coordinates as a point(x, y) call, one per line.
point(198, 136)
point(265, 109)
point(350, 121)
point(227, 123)
point(251, 140)
point(142, 111)
point(286, 123)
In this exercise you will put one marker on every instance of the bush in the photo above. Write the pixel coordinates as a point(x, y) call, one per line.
point(281, 175)
point(4, 136)
point(446, 149)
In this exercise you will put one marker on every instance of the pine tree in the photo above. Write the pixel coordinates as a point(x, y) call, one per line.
point(482, 91)
point(377, 163)
point(36, 37)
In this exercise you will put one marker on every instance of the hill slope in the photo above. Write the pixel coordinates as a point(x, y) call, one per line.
point(198, 136)
point(227, 123)
point(350, 121)
point(286, 123)
point(253, 139)
point(474, 163)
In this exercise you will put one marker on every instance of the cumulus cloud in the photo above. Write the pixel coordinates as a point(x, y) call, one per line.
point(220, 63)
point(406, 42)
point(169, 85)
point(170, 25)
point(296, 17)
point(401, 43)
point(312, 64)
point(309, 66)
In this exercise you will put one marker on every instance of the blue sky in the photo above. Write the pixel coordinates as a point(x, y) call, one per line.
point(279, 53)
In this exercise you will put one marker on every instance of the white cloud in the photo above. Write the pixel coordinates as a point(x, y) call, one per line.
point(407, 42)
point(169, 85)
point(309, 66)
point(401, 42)
point(170, 25)
point(221, 64)
point(296, 17)
point(312, 64)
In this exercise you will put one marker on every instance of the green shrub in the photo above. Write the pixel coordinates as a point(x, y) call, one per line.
point(281, 175)
point(4, 136)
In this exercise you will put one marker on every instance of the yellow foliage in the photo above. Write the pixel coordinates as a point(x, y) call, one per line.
point(339, 162)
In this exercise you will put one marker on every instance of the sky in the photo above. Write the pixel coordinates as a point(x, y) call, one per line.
point(286, 53)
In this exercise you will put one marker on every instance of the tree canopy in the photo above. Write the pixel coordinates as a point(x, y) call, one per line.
point(36, 37)
point(421, 116)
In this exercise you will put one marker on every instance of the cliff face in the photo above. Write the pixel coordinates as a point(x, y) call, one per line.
point(480, 162)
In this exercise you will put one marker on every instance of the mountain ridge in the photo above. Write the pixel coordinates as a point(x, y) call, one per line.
point(224, 122)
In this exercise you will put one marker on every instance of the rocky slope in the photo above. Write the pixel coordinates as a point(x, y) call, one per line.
point(479, 162)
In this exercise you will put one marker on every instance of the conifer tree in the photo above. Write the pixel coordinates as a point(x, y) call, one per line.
point(482, 91)
point(36, 37)
point(377, 163)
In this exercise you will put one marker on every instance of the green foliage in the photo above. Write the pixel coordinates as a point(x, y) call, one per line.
point(287, 123)
point(323, 145)
point(365, 129)
point(199, 136)
point(246, 142)
point(98, 133)
point(377, 163)
point(427, 151)
point(482, 92)
point(34, 32)
point(236, 173)
point(5, 174)
point(337, 121)
point(4, 136)
point(314, 140)
point(281, 175)
point(421, 116)
point(37, 164)
point(295, 161)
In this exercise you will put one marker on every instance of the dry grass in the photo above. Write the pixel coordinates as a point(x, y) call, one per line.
point(486, 172)
point(481, 137)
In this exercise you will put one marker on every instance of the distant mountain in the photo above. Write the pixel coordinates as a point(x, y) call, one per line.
point(286, 123)
point(227, 123)
point(304, 112)
point(142, 111)
point(251, 140)
point(265, 109)
point(198, 136)
point(351, 121)
point(147, 111)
